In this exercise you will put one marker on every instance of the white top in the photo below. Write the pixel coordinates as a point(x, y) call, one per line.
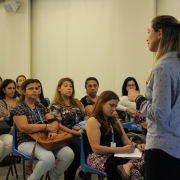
point(125, 103)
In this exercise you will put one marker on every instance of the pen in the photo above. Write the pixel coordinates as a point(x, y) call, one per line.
point(132, 143)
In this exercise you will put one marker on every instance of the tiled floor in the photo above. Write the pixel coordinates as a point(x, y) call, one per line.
point(4, 170)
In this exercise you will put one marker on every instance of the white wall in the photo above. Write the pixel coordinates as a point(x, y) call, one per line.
point(51, 39)
point(78, 39)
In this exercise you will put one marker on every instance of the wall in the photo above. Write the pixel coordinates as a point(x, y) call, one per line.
point(78, 39)
point(50, 39)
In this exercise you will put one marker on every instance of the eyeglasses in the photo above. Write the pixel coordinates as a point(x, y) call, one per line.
point(131, 85)
point(33, 88)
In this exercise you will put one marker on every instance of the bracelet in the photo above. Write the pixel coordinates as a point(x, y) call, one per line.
point(45, 127)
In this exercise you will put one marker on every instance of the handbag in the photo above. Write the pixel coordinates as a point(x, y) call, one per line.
point(62, 139)
point(4, 127)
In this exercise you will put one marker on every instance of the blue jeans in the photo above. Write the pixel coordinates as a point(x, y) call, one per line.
point(46, 159)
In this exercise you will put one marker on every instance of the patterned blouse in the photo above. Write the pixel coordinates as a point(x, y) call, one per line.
point(7, 117)
point(33, 116)
point(68, 116)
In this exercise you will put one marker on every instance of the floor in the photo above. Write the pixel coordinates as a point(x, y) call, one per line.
point(4, 170)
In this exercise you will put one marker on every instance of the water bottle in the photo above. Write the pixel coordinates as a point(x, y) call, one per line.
point(76, 119)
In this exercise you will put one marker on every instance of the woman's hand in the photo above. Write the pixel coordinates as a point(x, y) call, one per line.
point(132, 95)
point(52, 135)
point(128, 148)
point(76, 128)
point(77, 133)
point(141, 147)
point(51, 128)
point(144, 124)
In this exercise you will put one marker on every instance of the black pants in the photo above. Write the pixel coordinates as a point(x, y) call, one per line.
point(161, 166)
point(111, 165)
point(71, 171)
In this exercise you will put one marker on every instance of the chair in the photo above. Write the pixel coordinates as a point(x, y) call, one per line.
point(16, 153)
point(47, 100)
point(130, 126)
point(87, 169)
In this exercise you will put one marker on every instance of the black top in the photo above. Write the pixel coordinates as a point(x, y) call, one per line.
point(87, 101)
point(105, 139)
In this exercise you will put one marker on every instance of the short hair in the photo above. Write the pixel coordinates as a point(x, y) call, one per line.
point(90, 79)
point(124, 91)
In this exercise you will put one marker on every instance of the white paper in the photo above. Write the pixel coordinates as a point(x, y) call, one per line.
point(136, 154)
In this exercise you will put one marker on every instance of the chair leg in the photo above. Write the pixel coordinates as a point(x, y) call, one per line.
point(15, 169)
point(10, 167)
point(24, 174)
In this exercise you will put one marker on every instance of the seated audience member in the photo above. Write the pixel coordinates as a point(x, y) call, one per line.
point(27, 113)
point(69, 111)
point(127, 106)
point(0, 81)
point(19, 80)
point(5, 143)
point(91, 86)
point(41, 98)
point(7, 100)
point(105, 136)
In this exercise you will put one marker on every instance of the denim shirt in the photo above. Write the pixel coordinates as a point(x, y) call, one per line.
point(162, 106)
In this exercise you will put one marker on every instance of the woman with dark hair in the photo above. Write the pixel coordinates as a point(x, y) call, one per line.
point(124, 104)
point(41, 98)
point(106, 137)
point(69, 111)
point(26, 115)
point(161, 104)
point(19, 80)
point(91, 86)
point(7, 104)
point(7, 99)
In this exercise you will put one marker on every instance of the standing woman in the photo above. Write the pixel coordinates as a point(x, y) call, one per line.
point(161, 104)
point(26, 115)
point(19, 80)
point(69, 111)
point(91, 86)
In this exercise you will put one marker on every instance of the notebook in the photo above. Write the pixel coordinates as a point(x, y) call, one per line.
point(134, 155)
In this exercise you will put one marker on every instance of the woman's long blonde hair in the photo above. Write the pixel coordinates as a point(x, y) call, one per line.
point(58, 97)
point(170, 40)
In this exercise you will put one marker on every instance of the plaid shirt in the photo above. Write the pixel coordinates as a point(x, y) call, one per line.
point(32, 116)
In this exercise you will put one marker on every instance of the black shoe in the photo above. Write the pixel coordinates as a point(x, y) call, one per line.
point(81, 174)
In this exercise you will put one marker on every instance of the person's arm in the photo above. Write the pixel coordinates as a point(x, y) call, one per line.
point(89, 110)
point(71, 131)
point(93, 132)
point(157, 106)
point(22, 124)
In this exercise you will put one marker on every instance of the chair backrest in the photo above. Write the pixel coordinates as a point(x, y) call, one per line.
point(83, 158)
point(130, 126)
point(84, 166)
point(47, 100)
point(14, 146)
